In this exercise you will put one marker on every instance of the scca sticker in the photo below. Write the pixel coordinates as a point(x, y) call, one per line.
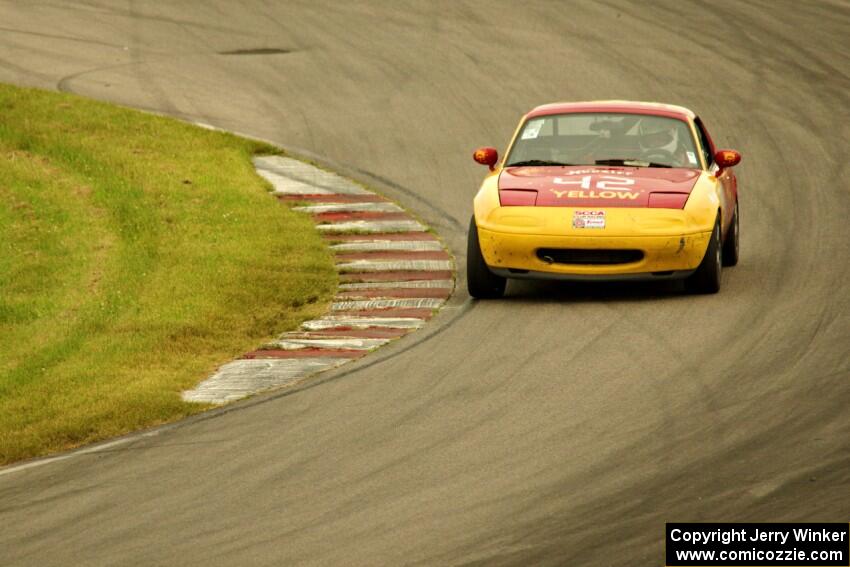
point(589, 219)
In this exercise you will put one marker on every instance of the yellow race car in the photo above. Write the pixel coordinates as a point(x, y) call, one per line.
point(607, 190)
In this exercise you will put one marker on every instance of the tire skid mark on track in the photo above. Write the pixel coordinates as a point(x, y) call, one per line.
point(387, 241)
point(64, 83)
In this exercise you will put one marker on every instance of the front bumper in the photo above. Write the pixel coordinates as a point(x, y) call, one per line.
point(671, 244)
point(639, 277)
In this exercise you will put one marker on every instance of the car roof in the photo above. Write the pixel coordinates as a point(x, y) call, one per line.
point(614, 106)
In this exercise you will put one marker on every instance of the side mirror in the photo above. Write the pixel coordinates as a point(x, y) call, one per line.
point(486, 156)
point(727, 158)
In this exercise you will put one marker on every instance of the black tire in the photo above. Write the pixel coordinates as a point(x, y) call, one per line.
point(732, 244)
point(480, 281)
point(706, 279)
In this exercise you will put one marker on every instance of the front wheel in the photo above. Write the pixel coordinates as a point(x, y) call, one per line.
point(732, 244)
point(706, 279)
point(480, 281)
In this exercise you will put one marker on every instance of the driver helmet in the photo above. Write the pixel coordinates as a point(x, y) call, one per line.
point(654, 134)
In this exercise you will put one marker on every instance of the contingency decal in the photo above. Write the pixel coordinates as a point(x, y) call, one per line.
point(692, 158)
point(532, 129)
point(588, 219)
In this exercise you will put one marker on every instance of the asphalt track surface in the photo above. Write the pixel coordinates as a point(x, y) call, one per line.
point(563, 425)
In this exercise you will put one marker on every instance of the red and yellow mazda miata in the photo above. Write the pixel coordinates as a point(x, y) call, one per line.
point(606, 190)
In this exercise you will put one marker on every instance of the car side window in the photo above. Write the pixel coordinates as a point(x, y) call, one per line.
point(704, 143)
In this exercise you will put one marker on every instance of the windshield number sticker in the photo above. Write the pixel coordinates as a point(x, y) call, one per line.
point(692, 158)
point(588, 219)
point(532, 129)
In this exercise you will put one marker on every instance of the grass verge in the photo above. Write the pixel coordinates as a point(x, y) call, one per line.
point(137, 253)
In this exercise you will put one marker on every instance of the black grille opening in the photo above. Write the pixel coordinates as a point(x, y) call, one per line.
point(588, 256)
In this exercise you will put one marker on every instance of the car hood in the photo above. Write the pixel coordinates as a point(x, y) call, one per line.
point(594, 186)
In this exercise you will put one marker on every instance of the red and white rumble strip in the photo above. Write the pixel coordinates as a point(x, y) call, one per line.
point(393, 275)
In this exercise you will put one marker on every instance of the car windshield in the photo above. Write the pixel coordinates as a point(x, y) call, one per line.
point(640, 140)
